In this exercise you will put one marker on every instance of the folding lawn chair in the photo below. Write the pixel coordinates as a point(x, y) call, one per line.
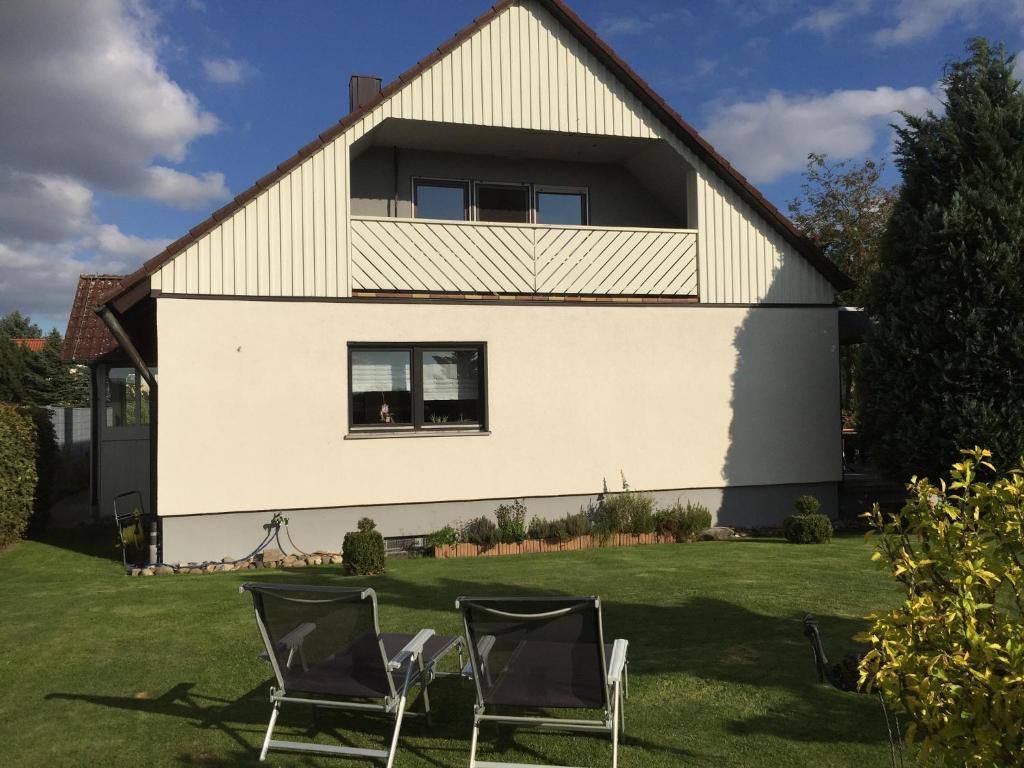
point(534, 653)
point(325, 644)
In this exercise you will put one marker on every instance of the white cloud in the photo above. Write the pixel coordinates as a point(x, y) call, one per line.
point(225, 71)
point(182, 190)
point(920, 19)
point(87, 107)
point(827, 20)
point(771, 137)
point(641, 24)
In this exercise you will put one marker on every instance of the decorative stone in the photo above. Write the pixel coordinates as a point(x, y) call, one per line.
point(227, 559)
point(270, 554)
point(227, 567)
point(291, 559)
point(147, 571)
point(298, 564)
point(717, 533)
point(134, 571)
point(163, 570)
point(335, 559)
point(211, 568)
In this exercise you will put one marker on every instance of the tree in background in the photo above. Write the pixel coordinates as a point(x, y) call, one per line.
point(844, 208)
point(943, 364)
point(37, 378)
point(15, 325)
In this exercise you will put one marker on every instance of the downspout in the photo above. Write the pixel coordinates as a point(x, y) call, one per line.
point(110, 320)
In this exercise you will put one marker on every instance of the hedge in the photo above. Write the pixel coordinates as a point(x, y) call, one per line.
point(18, 475)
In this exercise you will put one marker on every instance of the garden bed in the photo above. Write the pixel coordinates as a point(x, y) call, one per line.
point(448, 551)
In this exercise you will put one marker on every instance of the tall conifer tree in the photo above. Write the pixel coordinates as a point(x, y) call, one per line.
point(943, 366)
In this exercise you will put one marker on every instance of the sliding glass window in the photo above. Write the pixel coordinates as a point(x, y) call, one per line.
point(416, 387)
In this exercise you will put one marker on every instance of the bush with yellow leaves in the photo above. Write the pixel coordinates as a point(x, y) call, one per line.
point(952, 655)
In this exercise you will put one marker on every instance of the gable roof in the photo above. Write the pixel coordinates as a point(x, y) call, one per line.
point(88, 337)
point(129, 287)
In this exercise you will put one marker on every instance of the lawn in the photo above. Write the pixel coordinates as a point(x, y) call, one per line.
point(101, 669)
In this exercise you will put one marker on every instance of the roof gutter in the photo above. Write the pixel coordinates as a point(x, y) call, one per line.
point(117, 331)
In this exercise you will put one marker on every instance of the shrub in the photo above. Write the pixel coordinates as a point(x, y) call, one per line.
point(557, 532)
point(446, 536)
point(483, 532)
point(18, 474)
point(362, 551)
point(682, 522)
point(807, 505)
point(512, 521)
point(951, 654)
point(47, 460)
point(577, 525)
point(807, 529)
point(624, 512)
point(538, 528)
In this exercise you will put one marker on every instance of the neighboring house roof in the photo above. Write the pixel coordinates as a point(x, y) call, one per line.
point(33, 345)
point(88, 337)
point(604, 53)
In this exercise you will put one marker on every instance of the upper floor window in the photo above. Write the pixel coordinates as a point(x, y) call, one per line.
point(561, 206)
point(503, 202)
point(440, 199)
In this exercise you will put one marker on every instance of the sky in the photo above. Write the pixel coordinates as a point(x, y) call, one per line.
point(123, 123)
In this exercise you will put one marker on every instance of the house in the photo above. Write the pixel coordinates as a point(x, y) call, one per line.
point(513, 272)
point(32, 345)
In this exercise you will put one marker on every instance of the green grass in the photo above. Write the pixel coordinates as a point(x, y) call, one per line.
point(101, 669)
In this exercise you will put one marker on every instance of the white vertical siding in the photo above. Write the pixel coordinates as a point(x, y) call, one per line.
point(523, 70)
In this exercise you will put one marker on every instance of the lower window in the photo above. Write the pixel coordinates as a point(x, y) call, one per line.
point(418, 386)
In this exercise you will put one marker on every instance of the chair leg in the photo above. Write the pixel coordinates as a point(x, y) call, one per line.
point(615, 728)
point(472, 742)
point(620, 692)
point(398, 728)
point(270, 731)
point(426, 695)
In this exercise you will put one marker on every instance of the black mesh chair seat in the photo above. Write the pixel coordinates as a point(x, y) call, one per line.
point(544, 682)
point(355, 672)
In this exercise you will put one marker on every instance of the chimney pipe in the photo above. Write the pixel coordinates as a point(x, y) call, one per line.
point(362, 89)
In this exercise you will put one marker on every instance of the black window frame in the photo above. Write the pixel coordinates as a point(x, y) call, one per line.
point(462, 184)
point(582, 192)
point(416, 350)
point(518, 185)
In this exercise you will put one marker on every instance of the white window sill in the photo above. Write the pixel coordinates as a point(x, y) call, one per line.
point(373, 435)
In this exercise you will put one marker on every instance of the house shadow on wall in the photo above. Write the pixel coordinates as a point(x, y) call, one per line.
point(786, 359)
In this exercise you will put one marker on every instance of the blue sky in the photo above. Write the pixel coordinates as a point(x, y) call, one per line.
point(156, 111)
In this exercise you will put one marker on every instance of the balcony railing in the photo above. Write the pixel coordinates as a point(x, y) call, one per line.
point(485, 257)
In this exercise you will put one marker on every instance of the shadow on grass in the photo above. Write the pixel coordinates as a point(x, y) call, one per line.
point(703, 638)
point(99, 541)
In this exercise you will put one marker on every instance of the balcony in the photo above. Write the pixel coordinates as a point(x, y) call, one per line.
point(435, 256)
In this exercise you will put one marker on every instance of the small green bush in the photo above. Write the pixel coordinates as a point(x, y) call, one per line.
point(483, 532)
point(538, 528)
point(512, 521)
point(682, 522)
point(807, 505)
point(445, 536)
point(577, 525)
point(18, 474)
point(807, 529)
point(625, 512)
point(362, 551)
point(557, 532)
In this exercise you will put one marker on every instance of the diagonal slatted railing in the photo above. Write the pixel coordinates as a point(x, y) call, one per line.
point(486, 257)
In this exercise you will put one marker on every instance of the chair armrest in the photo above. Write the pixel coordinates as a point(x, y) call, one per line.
point(412, 649)
point(483, 647)
point(297, 636)
point(617, 662)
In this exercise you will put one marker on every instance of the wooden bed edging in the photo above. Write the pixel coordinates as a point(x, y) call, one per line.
point(449, 551)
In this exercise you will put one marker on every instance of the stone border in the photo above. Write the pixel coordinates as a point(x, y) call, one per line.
point(269, 558)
